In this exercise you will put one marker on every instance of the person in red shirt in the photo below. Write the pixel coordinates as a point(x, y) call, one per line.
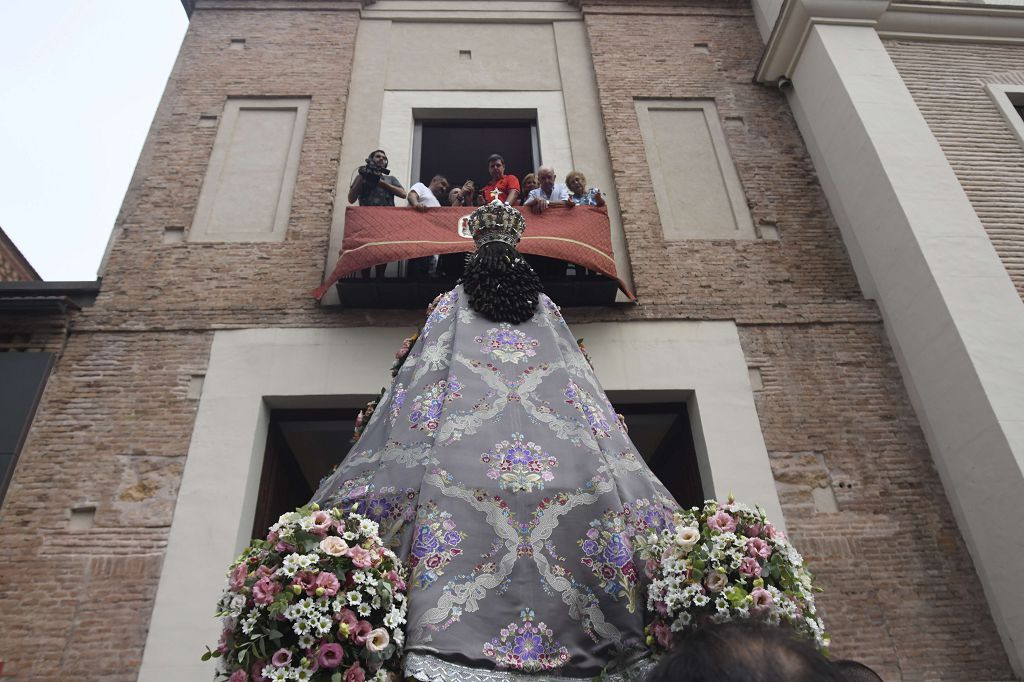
point(507, 185)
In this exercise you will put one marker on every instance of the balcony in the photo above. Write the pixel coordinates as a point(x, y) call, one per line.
point(570, 249)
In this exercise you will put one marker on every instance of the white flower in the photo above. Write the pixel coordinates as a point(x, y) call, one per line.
point(306, 642)
point(377, 639)
point(301, 627)
point(277, 674)
point(398, 637)
point(368, 527)
point(349, 535)
point(359, 577)
point(375, 603)
point(370, 590)
point(364, 610)
point(353, 597)
point(333, 545)
point(687, 538)
point(292, 563)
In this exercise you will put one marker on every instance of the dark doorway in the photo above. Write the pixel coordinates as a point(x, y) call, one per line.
point(303, 446)
point(662, 435)
point(459, 149)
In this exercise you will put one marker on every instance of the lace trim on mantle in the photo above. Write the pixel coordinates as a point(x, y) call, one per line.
point(427, 668)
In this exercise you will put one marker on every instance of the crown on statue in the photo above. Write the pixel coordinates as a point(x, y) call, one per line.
point(496, 222)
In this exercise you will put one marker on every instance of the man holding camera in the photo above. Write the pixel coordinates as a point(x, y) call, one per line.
point(373, 186)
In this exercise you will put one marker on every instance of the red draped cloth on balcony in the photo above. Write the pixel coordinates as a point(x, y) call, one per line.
point(376, 235)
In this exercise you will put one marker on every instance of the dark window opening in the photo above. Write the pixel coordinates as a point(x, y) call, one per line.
point(24, 377)
point(458, 150)
point(1020, 110)
point(303, 446)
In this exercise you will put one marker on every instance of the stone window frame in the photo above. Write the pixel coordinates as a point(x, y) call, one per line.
point(199, 230)
point(1007, 98)
point(662, 185)
point(253, 371)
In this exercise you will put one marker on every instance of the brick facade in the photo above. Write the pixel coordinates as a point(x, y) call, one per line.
point(13, 266)
point(947, 80)
point(113, 428)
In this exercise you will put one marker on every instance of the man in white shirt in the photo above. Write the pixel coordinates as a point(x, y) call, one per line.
point(421, 197)
point(549, 193)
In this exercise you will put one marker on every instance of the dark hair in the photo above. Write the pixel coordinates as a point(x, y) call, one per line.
point(500, 284)
point(439, 177)
point(495, 157)
point(743, 652)
point(369, 157)
point(853, 671)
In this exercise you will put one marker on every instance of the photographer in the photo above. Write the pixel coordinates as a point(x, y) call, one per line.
point(373, 186)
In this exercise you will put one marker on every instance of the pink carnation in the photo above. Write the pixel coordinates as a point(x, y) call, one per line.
point(257, 671)
point(307, 581)
point(750, 568)
point(284, 547)
point(329, 582)
point(756, 547)
point(762, 598)
point(753, 530)
point(264, 590)
point(396, 580)
point(330, 655)
point(722, 521)
point(265, 571)
point(355, 674)
point(238, 676)
point(360, 557)
point(225, 640)
point(237, 579)
point(663, 634)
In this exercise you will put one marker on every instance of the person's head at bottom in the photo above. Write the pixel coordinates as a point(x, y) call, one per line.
point(743, 652)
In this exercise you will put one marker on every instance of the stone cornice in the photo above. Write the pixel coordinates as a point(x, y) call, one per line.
point(190, 5)
point(905, 20)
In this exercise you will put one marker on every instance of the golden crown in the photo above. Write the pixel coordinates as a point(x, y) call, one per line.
point(496, 222)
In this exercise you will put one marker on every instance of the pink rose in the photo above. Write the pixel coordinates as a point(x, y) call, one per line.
point(321, 523)
point(307, 581)
point(330, 655)
point(750, 568)
point(396, 580)
point(716, 581)
point(334, 546)
point(355, 674)
point(237, 579)
point(272, 536)
point(264, 590)
point(753, 530)
point(284, 547)
point(348, 617)
point(238, 676)
point(756, 547)
point(722, 521)
point(360, 557)
point(762, 598)
point(359, 633)
point(329, 583)
point(770, 531)
point(281, 658)
point(265, 572)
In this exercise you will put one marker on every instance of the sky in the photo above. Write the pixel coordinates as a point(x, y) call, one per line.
point(80, 81)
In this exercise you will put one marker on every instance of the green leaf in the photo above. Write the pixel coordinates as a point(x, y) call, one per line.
point(274, 635)
point(207, 656)
point(336, 677)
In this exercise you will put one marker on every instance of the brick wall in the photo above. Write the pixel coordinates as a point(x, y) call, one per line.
point(114, 423)
point(947, 80)
point(111, 433)
point(900, 588)
point(13, 266)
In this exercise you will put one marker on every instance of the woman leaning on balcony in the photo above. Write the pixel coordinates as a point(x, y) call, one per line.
point(580, 195)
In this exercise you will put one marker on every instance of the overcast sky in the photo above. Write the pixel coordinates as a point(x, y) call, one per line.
point(80, 81)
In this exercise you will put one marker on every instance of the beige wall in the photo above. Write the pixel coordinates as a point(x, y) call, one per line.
point(407, 62)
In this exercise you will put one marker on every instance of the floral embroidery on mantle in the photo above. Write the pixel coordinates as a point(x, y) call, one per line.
point(528, 646)
point(519, 466)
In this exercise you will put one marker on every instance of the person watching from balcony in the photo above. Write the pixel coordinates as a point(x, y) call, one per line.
point(421, 197)
point(579, 194)
point(373, 185)
point(507, 185)
point(549, 193)
point(529, 184)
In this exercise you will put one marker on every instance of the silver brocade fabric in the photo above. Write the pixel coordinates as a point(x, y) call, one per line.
point(497, 468)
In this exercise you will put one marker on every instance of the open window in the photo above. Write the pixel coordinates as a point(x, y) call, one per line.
point(458, 148)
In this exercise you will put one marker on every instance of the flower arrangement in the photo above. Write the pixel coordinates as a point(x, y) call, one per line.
point(320, 600)
point(403, 353)
point(363, 418)
point(725, 562)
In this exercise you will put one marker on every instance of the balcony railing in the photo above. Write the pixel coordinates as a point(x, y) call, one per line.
point(388, 256)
